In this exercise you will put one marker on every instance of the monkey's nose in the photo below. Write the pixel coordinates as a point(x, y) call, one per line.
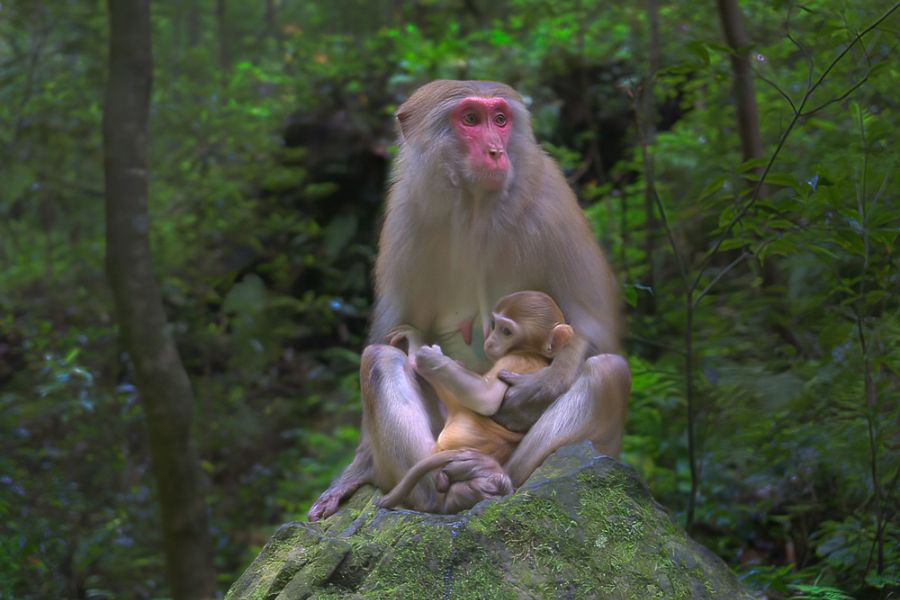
point(495, 152)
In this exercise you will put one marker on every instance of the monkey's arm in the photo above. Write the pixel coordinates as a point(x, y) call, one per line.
point(481, 394)
point(530, 394)
point(408, 339)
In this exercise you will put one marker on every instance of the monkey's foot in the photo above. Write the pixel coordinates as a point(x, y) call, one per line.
point(328, 503)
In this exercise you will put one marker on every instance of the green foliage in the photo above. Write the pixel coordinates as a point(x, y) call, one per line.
point(268, 149)
point(794, 415)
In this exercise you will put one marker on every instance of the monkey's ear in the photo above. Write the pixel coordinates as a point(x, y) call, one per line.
point(403, 115)
point(559, 337)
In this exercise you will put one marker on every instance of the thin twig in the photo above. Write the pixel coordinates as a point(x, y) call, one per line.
point(855, 87)
point(665, 219)
point(719, 276)
point(856, 40)
point(777, 89)
point(807, 56)
point(637, 338)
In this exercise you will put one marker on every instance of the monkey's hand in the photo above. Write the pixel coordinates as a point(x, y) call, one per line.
point(430, 360)
point(405, 337)
point(528, 396)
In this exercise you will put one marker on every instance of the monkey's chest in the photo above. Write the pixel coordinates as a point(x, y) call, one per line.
point(461, 300)
point(460, 334)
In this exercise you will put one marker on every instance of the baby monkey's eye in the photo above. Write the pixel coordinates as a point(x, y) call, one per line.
point(506, 331)
point(492, 324)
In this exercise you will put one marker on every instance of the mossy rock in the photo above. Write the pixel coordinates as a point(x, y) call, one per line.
point(583, 526)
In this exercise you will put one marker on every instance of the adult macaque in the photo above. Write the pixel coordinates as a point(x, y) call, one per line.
point(477, 210)
point(527, 331)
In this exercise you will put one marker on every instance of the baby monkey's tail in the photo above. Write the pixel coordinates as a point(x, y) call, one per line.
point(401, 491)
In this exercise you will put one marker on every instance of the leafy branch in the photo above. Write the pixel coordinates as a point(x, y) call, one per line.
point(798, 113)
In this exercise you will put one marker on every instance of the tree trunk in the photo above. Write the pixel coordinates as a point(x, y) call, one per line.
point(745, 99)
point(747, 116)
point(272, 18)
point(165, 390)
point(222, 26)
point(647, 121)
point(194, 26)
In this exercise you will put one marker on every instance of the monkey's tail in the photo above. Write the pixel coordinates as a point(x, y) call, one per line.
point(401, 491)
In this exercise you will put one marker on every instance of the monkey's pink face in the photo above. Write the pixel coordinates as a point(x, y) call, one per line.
point(483, 126)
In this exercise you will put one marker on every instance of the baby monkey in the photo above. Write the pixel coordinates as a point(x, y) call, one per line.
point(527, 330)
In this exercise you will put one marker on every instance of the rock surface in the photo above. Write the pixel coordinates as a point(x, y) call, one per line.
point(583, 526)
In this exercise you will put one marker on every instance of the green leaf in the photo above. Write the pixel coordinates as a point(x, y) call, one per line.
point(819, 592)
point(731, 244)
point(630, 294)
point(698, 49)
point(785, 179)
point(712, 188)
point(338, 234)
point(500, 38)
point(778, 247)
point(751, 164)
point(819, 249)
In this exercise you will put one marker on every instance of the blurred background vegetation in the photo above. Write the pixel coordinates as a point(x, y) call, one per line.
point(766, 317)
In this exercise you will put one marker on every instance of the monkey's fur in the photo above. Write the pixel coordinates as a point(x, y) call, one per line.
point(452, 243)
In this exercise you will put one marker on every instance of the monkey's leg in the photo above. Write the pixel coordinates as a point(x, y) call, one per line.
point(401, 420)
point(397, 415)
point(359, 472)
point(398, 421)
point(594, 409)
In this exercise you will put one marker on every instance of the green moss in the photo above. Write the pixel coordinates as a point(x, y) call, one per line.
point(285, 554)
point(356, 513)
point(632, 541)
point(476, 575)
point(322, 560)
point(414, 552)
point(583, 527)
point(546, 548)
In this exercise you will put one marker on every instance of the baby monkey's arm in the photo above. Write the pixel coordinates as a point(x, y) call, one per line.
point(480, 393)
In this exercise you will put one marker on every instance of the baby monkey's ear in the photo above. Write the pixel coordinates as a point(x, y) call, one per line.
point(558, 338)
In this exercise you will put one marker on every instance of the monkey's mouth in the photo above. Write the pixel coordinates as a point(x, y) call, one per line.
point(491, 177)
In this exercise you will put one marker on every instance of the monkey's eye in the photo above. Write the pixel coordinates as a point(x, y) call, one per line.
point(492, 324)
point(506, 331)
point(470, 119)
point(500, 120)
